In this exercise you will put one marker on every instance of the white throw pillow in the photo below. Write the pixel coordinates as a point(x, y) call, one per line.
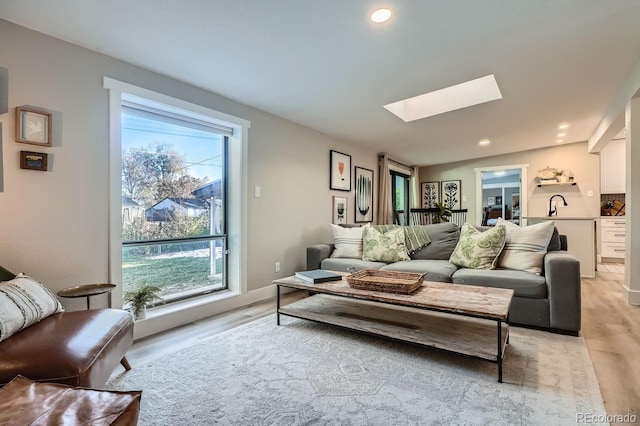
point(347, 242)
point(526, 246)
point(24, 302)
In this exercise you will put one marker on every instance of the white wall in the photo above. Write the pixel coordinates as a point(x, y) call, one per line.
point(585, 166)
point(53, 225)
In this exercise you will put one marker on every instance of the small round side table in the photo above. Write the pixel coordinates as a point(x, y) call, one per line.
point(87, 290)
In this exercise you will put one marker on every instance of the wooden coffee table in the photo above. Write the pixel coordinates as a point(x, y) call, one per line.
point(470, 320)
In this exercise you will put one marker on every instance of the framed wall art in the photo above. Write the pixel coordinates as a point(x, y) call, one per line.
point(430, 194)
point(340, 171)
point(339, 210)
point(451, 194)
point(34, 160)
point(364, 195)
point(33, 126)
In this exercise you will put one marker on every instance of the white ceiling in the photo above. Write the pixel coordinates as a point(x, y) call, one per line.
point(322, 64)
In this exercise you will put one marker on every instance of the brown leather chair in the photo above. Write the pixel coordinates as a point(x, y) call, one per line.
point(24, 402)
point(80, 348)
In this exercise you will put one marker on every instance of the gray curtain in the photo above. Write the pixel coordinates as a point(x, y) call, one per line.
point(385, 209)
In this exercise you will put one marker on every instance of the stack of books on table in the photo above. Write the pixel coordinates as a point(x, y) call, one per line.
point(318, 276)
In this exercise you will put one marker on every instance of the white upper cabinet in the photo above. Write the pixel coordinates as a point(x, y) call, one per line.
point(612, 167)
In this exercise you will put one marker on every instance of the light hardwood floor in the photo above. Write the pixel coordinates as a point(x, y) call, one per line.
point(610, 328)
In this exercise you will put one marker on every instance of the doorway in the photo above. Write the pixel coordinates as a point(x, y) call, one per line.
point(501, 193)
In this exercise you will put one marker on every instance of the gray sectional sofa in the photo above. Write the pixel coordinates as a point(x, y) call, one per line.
point(550, 300)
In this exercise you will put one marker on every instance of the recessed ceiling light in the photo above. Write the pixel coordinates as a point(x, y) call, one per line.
point(559, 140)
point(381, 15)
point(562, 126)
point(562, 135)
point(484, 142)
point(469, 93)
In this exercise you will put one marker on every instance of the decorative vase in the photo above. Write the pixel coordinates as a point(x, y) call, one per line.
point(139, 312)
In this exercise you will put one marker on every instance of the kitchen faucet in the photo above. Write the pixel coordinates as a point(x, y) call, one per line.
point(554, 210)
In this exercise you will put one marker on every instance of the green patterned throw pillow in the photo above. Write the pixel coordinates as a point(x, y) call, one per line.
point(479, 250)
point(386, 246)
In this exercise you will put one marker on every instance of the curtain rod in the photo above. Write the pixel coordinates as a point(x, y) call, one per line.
point(394, 161)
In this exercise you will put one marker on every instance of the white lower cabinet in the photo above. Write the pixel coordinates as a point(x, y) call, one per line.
point(612, 236)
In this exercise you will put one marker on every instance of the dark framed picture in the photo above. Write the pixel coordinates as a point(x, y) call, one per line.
point(499, 200)
point(340, 171)
point(364, 195)
point(34, 160)
point(339, 210)
point(451, 194)
point(33, 126)
point(430, 194)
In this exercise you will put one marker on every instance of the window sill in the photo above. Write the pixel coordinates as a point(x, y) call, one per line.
point(164, 310)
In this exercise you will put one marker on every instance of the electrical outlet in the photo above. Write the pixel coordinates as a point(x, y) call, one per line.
point(277, 266)
point(464, 198)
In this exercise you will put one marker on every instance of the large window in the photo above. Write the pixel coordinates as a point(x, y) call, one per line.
point(174, 200)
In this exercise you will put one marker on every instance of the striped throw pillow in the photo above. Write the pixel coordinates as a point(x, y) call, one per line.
point(347, 242)
point(24, 302)
point(525, 247)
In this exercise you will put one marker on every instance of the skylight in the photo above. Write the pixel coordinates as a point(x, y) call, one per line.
point(469, 93)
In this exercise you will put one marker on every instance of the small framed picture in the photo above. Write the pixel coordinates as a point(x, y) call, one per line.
point(491, 201)
point(364, 195)
point(34, 160)
point(33, 126)
point(339, 210)
point(340, 171)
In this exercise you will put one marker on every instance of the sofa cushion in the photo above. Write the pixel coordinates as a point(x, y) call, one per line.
point(381, 246)
point(347, 242)
point(444, 237)
point(24, 302)
point(437, 270)
point(524, 284)
point(478, 250)
point(525, 246)
point(343, 265)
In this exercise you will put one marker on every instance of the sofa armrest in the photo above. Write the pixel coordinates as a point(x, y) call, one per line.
point(562, 274)
point(316, 254)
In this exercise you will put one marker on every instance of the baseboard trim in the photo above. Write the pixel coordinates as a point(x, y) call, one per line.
point(632, 296)
point(165, 318)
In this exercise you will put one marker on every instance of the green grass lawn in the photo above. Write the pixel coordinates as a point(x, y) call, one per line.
point(172, 275)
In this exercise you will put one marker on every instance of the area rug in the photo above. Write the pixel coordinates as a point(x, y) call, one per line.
point(304, 373)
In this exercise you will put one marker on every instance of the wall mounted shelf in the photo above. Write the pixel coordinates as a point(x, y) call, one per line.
point(540, 185)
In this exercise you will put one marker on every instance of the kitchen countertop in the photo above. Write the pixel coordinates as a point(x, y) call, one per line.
point(563, 217)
